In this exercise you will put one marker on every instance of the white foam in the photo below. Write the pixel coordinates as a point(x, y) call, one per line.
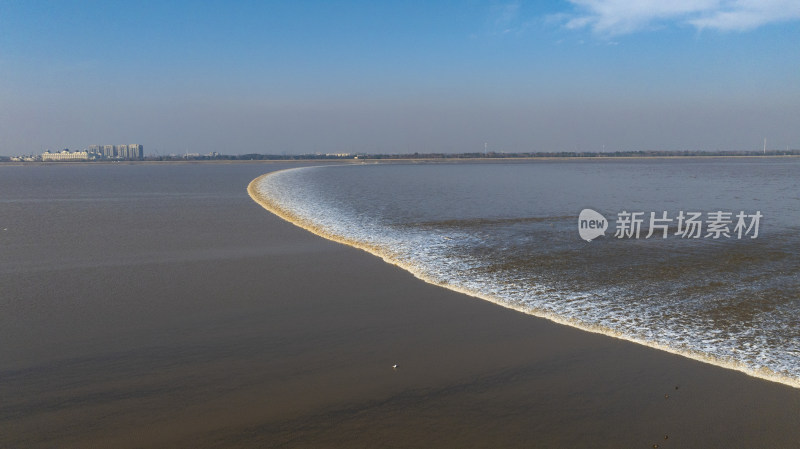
point(427, 255)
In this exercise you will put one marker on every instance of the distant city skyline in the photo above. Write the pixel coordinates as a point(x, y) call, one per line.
point(400, 77)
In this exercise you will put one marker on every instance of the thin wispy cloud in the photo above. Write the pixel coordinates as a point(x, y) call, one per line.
point(507, 13)
point(615, 17)
point(505, 18)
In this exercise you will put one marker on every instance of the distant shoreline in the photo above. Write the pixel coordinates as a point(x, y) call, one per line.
point(397, 159)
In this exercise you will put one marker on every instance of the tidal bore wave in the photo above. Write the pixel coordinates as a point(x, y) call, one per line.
point(422, 247)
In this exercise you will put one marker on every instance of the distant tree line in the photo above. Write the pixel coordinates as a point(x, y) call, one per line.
point(477, 155)
point(472, 155)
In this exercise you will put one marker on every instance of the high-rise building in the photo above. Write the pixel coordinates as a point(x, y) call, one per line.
point(132, 151)
point(135, 151)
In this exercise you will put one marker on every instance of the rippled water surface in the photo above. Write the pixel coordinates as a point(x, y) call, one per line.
point(508, 232)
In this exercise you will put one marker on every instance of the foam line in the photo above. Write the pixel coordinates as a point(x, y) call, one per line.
point(271, 204)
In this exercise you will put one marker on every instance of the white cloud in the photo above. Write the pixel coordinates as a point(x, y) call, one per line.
point(614, 17)
point(744, 15)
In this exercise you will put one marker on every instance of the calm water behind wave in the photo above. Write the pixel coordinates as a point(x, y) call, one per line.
point(508, 232)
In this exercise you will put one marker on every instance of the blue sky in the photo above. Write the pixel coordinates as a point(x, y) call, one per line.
point(367, 76)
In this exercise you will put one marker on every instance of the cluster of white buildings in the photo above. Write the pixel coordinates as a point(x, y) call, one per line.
point(95, 152)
